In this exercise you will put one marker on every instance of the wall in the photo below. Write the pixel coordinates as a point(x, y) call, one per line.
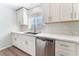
point(7, 25)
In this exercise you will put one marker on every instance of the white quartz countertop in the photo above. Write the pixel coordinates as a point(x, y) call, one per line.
point(68, 38)
point(24, 33)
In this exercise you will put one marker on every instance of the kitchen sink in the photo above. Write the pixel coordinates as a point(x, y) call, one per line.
point(31, 33)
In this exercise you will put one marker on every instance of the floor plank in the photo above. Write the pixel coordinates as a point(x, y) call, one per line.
point(12, 51)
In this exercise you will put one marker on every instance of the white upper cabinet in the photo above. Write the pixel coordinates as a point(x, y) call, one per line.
point(75, 11)
point(55, 12)
point(51, 12)
point(22, 16)
point(66, 11)
point(46, 12)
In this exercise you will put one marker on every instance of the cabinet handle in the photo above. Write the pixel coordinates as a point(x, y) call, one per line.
point(62, 55)
point(71, 15)
point(26, 42)
point(64, 45)
point(15, 39)
point(75, 15)
point(49, 18)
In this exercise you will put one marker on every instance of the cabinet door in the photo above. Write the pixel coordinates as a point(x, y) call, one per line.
point(46, 10)
point(55, 12)
point(75, 11)
point(25, 43)
point(17, 40)
point(28, 43)
point(77, 49)
point(25, 17)
point(19, 16)
point(66, 11)
point(22, 16)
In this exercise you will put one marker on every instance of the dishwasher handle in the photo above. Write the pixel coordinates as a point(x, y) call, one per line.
point(44, 39)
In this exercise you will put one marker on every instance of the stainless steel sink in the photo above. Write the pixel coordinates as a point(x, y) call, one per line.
point(31, 33)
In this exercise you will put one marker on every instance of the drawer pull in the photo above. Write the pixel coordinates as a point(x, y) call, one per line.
point(74, 14)
point(71, 16)
point(26, 42)
point(15, 39)
point(62, 55)
point(64, 45)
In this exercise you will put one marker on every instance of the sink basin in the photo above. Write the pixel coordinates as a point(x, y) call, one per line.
point(31, 33)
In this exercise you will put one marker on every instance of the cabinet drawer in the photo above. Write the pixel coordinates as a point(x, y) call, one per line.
point(60, 52)
point(65, 45)
point(77, 49)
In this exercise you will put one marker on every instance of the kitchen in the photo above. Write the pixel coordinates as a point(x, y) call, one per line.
point(40, 29)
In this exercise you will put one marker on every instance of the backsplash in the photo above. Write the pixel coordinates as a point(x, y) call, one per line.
point(23, 28)
point(62, 28)
point(58, 28)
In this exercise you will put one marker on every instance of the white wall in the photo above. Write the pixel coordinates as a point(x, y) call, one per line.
point(7, 25)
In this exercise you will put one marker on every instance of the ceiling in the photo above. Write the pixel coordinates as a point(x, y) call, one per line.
point(27, 5)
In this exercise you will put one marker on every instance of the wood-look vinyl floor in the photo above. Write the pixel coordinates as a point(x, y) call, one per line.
point(12, 51)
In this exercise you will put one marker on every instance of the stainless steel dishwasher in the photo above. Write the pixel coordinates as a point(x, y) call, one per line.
point(45, 47)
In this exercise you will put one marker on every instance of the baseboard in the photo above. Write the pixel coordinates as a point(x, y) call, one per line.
point(5, 47)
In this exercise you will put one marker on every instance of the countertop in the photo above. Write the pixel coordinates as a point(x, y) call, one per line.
point(24, 33)
point(68, 38)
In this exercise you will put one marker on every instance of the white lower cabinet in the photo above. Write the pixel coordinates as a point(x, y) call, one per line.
point(77, 50)
point(65, 48)
point(25, 43)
